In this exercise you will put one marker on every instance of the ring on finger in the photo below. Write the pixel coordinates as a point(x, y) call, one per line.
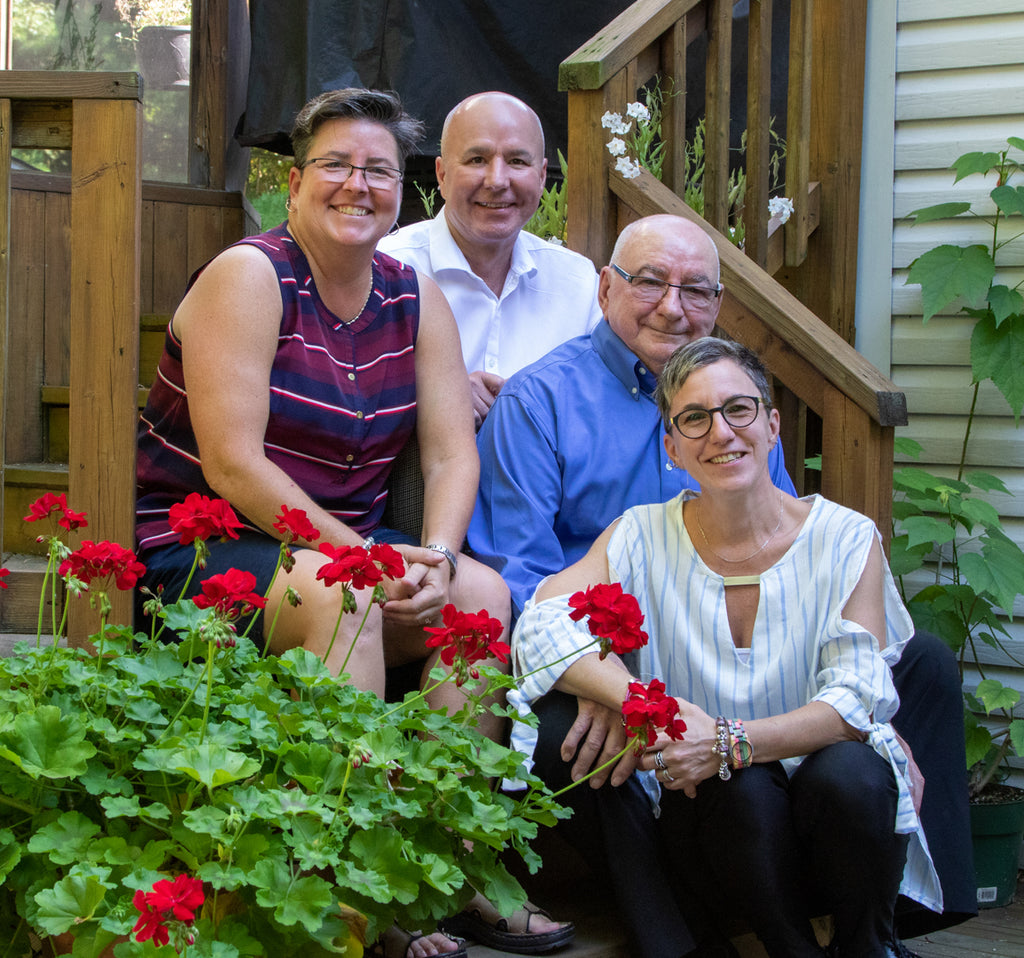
point(665, 775)
point(659, 760)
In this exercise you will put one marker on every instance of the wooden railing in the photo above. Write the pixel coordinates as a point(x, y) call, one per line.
point(858, 406)
point(98, 117)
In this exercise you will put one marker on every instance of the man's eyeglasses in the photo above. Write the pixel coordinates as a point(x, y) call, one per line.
point(379, 177)
point(650, 289)
point(739, 411)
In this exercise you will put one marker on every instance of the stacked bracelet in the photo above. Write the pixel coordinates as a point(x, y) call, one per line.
point(721, 748)
point(447, 553)
point(741, 752)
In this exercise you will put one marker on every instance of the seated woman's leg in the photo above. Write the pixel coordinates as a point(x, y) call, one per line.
point(737, 848)
point(844, 805)
point(613, 829)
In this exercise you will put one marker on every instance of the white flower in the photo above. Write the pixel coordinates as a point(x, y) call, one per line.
point(615, 123)
point(638, 111)
point(781, 206)
point(627, 167)
point(617, 147)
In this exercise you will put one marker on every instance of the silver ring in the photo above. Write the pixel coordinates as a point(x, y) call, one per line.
point(659, 760)
point(667, 777)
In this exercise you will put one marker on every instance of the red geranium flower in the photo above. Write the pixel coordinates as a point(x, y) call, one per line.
point(3, 575)
point(296, 525)
point(614, 617)
point(467, 638)
point(646, 710)
point(102, 560)
point(200, 517)
point(225, 590)
point(348, 565)
point(51, 502)
point(388, 559)
point(176, 900)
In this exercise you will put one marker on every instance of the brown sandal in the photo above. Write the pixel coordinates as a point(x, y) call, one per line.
point(395, 942)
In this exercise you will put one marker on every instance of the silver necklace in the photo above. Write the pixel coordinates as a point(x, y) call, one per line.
point(764, 545)
point(359, 312)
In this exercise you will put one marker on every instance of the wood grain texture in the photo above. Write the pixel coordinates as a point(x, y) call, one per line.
point(106, 200)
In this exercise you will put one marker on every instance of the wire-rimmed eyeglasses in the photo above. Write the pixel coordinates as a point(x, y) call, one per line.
point(738, 411)
point(650, 289)
point(379, 177)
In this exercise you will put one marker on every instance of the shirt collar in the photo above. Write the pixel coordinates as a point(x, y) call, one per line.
point(445, 252)
point(622, 363)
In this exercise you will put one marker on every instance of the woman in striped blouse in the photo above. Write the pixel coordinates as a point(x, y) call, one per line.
point(789, 794)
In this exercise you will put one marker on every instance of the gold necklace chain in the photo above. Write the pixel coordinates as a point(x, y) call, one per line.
point(764, 545)
point(359, 312)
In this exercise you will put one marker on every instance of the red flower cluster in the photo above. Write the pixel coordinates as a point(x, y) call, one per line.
point(225, 590)
point(103, 560)
point(614, 617)
point(200, 517)
point(177, 900)
point(646, 710)
point(50, 503)
point(295, 524)
point(358, 566)
point(3, 574)
point(467, 638)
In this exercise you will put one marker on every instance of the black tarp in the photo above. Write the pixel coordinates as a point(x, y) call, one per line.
point(432, 52)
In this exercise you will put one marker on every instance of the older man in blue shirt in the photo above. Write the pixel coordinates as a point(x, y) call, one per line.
point(574, 439)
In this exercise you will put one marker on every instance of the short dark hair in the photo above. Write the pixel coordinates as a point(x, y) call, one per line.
point(354, 103)
point(698, 354)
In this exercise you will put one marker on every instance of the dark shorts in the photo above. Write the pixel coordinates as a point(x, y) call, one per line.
point(252, 552)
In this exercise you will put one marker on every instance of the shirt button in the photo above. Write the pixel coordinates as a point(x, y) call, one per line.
point(634, 390)
point(349, 457)
point(643, 372)
point(351, 375)
point(359, 415)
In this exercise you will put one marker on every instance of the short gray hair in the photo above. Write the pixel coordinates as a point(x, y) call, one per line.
point(354, 103)
point(704, 352)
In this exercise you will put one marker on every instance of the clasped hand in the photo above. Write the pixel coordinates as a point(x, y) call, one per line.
point(416, 599)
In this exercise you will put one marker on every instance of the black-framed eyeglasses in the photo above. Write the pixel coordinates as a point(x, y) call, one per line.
point(379, 177)
point(650, 289)
point(738, 411)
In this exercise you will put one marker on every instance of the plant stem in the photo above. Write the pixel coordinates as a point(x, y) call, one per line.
point(355, 638)
point(211, 652)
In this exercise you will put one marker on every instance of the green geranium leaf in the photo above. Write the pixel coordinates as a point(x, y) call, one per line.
point(927, 529)
point(946, 273)
point(974, 163)
point(1015, 141)
point(213, 764)
point(70, 901)
point(294, 900)
point(1010, 199)
point(45, 744)
point(10, 853)
point(380, 850)
point(1004, 302)
point(941, 211)
point(997, 353)
point(65, 840)
point(995, 695)
point(207, 820)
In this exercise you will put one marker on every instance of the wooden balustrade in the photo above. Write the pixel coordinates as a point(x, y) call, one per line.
point(98, 117)
point(647, 43)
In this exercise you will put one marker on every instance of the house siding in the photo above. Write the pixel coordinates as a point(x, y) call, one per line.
point(959, 88)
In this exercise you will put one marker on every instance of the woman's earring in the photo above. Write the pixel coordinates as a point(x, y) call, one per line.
point(288, 205)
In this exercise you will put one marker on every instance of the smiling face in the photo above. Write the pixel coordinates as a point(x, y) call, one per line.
point(668, 248)
point(350, 213)
point(726, 457)
point(491, 170)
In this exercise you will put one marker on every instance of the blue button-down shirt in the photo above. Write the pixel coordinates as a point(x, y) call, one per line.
point(571, 442)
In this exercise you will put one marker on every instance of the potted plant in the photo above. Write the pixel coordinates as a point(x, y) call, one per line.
point(948, 521)
point(204, 795)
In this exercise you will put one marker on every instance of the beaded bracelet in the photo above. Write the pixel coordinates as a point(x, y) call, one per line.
point(721, 748)
point(741, 752)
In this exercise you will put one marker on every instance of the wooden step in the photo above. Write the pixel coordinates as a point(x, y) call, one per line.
point(19, 603)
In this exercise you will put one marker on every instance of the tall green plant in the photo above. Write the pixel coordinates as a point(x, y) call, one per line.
point(979, 570)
